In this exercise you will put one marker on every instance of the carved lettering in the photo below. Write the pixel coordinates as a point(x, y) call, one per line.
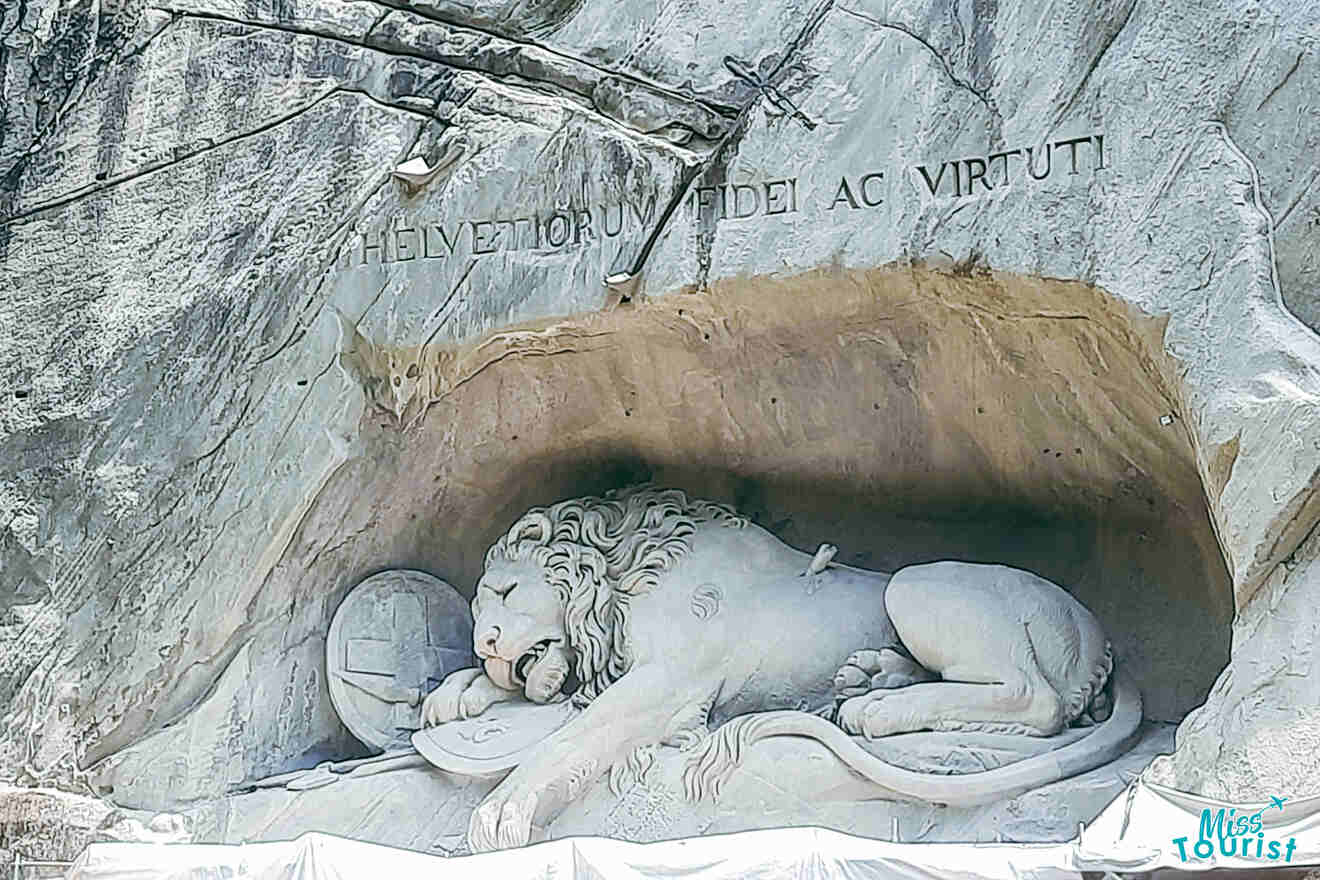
point(773, 205)
point(566, 228)
point(404, 239)
point(967, 172)
point(401, 247)
point(739, 190)
point(1031, 163)
point(644, 218)
point(447, 240)
point(977, 174)
point(378, 248)
point(483, 242)
point(935, 184)
point(618, 227)
point(511, 240)
point(1071, 144)
point(699, 197)
point(741, 201)
point(866, 181)
point(843, 194)
point(427, 253)
point(1004, 155)
point(581, 226)
point(531, 226)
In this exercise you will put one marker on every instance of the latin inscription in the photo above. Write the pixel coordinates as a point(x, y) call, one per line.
point(406, 241)
point(960, 177)
point(738, 201)
point(403, 241)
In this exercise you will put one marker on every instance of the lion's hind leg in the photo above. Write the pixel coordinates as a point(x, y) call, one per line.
point(1012, 696)
point(966, 623)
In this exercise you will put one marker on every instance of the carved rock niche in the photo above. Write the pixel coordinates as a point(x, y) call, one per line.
point(904, 414)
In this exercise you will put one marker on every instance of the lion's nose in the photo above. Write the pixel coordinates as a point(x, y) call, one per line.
point(485, 643)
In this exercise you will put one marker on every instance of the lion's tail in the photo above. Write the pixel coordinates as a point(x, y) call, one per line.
point(724, 749)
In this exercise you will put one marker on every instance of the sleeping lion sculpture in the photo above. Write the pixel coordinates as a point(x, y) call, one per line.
point(663, 616)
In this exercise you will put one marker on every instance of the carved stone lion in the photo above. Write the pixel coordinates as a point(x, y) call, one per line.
point(662, 616)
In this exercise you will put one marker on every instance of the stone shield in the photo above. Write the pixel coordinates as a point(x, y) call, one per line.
point(497, 740)
point(393, 639)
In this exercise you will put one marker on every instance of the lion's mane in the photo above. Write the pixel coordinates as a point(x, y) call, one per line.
point(598, 553)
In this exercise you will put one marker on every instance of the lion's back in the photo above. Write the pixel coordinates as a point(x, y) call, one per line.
point(756, 583)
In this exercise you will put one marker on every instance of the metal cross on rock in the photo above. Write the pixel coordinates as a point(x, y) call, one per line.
point(776, 98)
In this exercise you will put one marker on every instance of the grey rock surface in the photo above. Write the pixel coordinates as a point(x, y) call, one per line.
point(1259, 728)
point(242, 366)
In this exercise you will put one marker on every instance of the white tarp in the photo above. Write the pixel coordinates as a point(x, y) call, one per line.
point(1135, 833)
point(1140, 831)
point(806, 853)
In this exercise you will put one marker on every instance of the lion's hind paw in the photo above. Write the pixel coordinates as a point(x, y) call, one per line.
point(875, 669)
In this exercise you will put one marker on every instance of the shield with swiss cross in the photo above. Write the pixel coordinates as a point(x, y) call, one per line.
point(392, 641)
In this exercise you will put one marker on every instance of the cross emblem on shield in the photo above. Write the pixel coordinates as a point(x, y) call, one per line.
point(409, 661)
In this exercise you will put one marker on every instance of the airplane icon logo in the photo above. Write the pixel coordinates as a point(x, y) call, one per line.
point(1274, 802)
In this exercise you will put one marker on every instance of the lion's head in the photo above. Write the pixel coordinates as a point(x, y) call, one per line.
point(553, 598)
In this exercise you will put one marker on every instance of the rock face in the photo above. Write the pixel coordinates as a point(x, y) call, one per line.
point(1026, 283)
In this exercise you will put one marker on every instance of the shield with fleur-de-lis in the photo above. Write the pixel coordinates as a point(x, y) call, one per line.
point(392, 641)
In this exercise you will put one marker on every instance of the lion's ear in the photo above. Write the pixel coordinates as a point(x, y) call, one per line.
point(534, 527)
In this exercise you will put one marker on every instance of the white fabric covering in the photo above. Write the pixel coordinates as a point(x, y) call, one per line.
point(1134, 833)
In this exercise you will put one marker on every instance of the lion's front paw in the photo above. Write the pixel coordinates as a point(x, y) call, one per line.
point(504, 818)
point(480, 696)
point(446, 703)
point(440, 705)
